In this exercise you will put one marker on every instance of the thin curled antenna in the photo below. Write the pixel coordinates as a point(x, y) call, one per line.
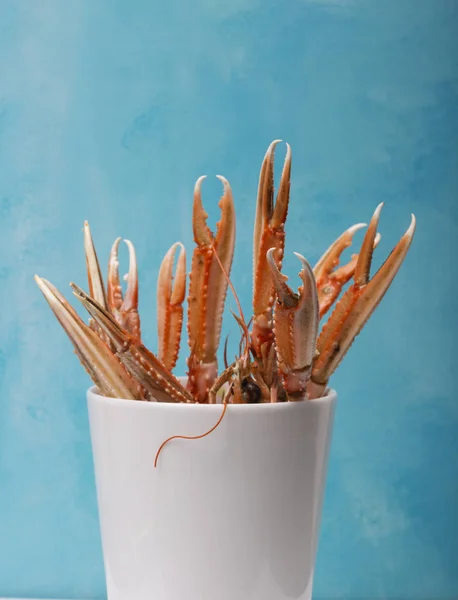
point(190, 437)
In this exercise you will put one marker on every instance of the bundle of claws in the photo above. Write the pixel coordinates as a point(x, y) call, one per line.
point(283, 355)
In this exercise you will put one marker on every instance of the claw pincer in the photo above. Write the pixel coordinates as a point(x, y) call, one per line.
point(207, 289)
point(141, 363)
point(269, 232)
point(330, 279)
point(170, 298)
point(105, 370)
point(282, 358)
point(124, 308)
point(357, 304)
point(296, 318)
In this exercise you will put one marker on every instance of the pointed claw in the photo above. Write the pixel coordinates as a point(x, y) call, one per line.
point(124, 309)
point(103, 367)
point(142, 364)
point(344, 273)
point(169, 305)
point(268, 233)
point(265, 199)
point(285, 295)
point(202, 234)
point(281, 205)
point(266, 212)
point(94, 274)
point(130, 318)
point(330, 259)
point(224, 240)
point(356, 306)
point(130, 301)
point(331, 279)
point(114, 283)
point(296, 318)
point(208, 288)
point(363, 266)
point(179, 288)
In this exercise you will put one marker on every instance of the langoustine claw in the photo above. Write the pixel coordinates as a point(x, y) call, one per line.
point(170, 298)
point(329, 278)
point(105, 370)
point(281, 358)
point(356, 305)
point(269, 232)
point(296, 318)
point(124, 309)
point(140, 362)
point(207, 289)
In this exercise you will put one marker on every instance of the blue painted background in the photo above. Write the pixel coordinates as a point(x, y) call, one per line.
point(109, 111)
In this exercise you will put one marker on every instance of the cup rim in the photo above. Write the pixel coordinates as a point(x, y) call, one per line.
point(329, 398)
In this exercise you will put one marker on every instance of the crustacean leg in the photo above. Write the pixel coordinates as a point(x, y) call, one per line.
point(207, 289)
point(296, 319)
point(124, 309)
point(170, 300)
point(269, 233)
point(105, 370)
point(356, 305)
point(329, 278)
point(140, 362)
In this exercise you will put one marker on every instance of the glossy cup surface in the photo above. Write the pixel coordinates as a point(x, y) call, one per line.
point(232, 516)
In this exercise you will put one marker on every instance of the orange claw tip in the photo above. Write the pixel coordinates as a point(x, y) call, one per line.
point(114, 252)
point(225, 228)
point(176, 294)
point(276, 273)
point(307, 277)
point(284, 294)
point(226, 198)
point(130, 245)
point(116, 244)
point(354, 228)
point(378, 210)
point(202, 234)
point(361, 276)
point(411, 230)
point(272, 147)
point(331, 257)
point(197, 189)
point(305, 264)
point(375, 218)
point(269, 221)
point(269, 155)
point(131, 296)
point(179, 289)
point(280, 210)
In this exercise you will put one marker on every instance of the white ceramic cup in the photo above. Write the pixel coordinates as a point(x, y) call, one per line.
point(232, 516)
